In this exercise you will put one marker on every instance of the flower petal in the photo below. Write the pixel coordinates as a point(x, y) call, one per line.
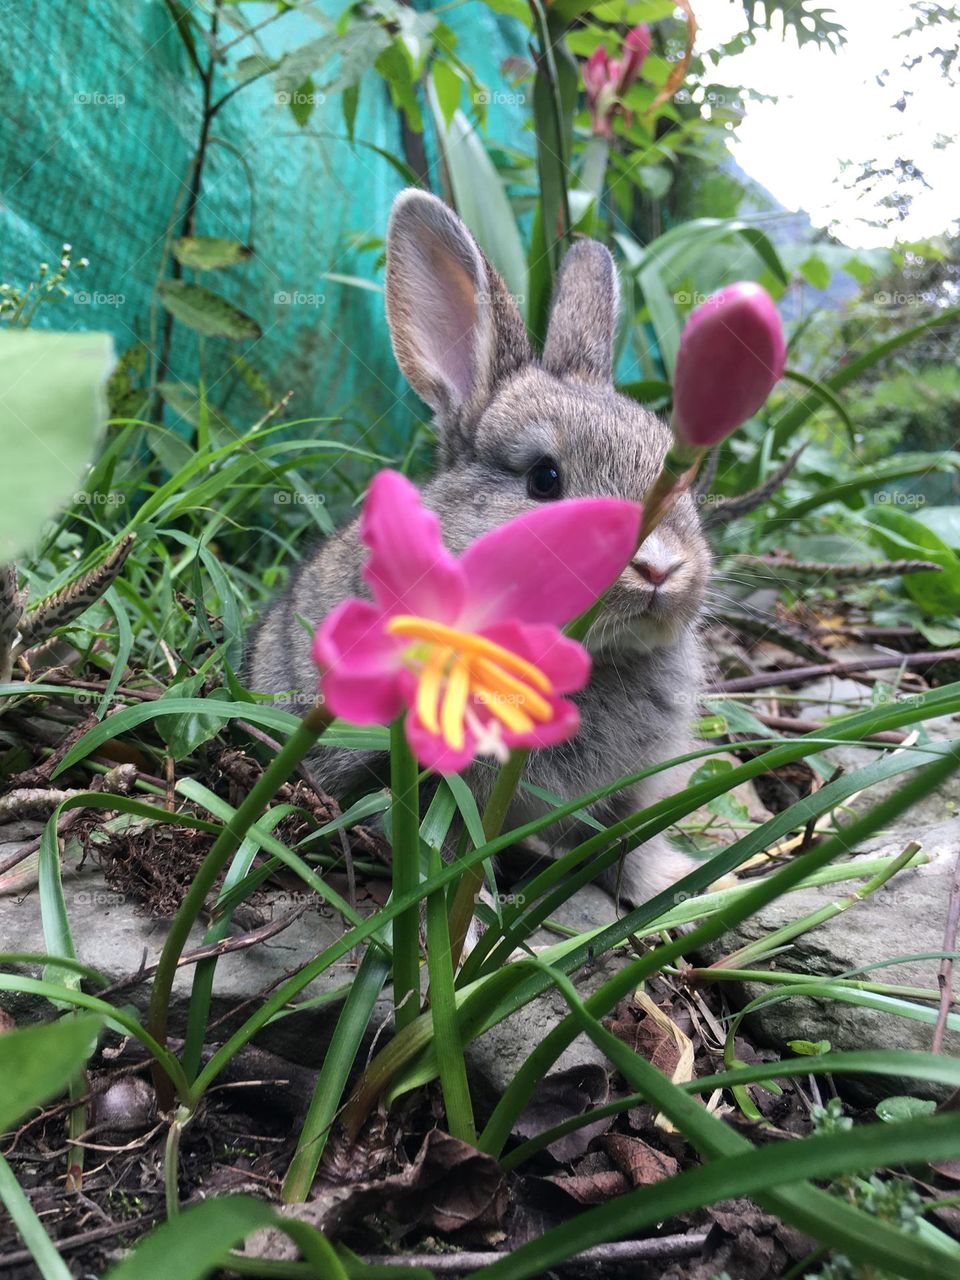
point(433, 752)
point(549, 564)
point(562, 725)
point(409, 570)
point(564, 662)
point(361, 674)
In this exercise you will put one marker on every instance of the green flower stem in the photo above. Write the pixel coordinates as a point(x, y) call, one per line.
point(679, 468)
point(405, 827)
point(171, 1161)
point(494, 816)
point(447, 1036)
point(313, 724)
point(677, 473)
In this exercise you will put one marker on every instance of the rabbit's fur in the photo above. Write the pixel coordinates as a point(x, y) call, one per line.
point(460, 341)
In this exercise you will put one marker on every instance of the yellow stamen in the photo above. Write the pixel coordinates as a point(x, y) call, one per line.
point(502, 684)
point(508, 713)
point(467, 644)
point(455, 704)
point(428, 690)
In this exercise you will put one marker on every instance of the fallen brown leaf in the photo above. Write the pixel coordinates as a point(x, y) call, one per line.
point(641, 1163)
point(561, 1097)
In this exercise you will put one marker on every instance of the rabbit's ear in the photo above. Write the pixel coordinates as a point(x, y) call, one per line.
point(583, 319)
point(456, 330)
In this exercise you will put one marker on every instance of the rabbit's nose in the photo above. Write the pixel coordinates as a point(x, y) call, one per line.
point(656, 575)
point(655, 561)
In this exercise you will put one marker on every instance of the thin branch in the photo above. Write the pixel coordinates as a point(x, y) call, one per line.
point(945, 975)
point(843, 666)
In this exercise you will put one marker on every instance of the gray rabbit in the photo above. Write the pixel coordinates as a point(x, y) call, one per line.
point(515, 431)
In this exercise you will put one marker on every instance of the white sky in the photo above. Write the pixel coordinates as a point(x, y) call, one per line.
point(831, 109)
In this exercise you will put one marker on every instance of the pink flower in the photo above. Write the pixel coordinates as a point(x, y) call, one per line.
point(606, 79)
point(470, 648)
point(731, 353)
point(636, 46)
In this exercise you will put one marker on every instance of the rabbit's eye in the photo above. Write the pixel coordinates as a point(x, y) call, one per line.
point(543, 480)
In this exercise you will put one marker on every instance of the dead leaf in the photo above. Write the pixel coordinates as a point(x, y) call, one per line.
point(641, 1163)
point(949, 1169)
point(450, 1186)
point(650, 1042)
point(589, 1188)
point(465, 1186)
point(561, 1097)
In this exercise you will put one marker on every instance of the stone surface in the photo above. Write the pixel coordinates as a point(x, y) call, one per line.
point(905, 917)
point(496, 1056)
point(112, 936)
point(844, 695)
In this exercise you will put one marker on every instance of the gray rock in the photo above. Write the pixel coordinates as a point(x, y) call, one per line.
point(905, 917)
point(844, 695)
point(494, 1059)
point(113, 937)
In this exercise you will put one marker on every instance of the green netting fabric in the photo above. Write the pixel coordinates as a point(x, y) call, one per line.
point(102, 112)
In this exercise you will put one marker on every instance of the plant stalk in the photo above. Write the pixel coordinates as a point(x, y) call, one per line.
point(405, 823)
point(314, 723)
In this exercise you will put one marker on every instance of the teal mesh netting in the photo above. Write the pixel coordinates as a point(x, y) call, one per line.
point(102, 114)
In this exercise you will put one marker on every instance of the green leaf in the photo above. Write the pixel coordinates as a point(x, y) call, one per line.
point(302, 101)
point(350, 102)
point(53, 409)
point(810, 1048)
point(355, 1018)
point(373, 738)
point(785, 427)
point(901, 535)
point(186, 402)
point(900, 467)
point(655, 179)
point(816, 272)
point(190, 1245)
point(901, 1107)
point(206, 253)
point(944, 521)
point(37, 1063)
point(206, 312)
point(50, 1266)
point(395, 67)
point(448, 87)
point(357, 49)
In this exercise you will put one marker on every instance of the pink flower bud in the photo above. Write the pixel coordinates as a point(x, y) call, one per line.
point(606, 79)
point(636, 46)
point(731, 353)
point(595, 74)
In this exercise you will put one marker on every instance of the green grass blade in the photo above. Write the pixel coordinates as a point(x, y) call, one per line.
point(536, 1066)
point(125, 1022)
point(880, 1062)
point(738, 1169)
point(49, 1263)
point(337, 1064)
point(443, 1010)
